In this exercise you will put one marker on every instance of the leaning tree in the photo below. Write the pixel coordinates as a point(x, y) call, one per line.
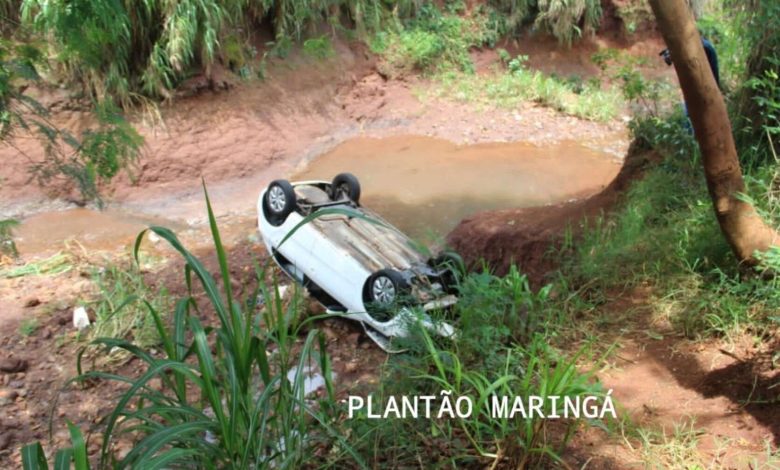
point(742, 226)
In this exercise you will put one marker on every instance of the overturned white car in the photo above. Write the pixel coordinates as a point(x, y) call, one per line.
point(351, 260)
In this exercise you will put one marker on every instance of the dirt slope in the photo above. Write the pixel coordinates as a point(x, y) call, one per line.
point(525, 236)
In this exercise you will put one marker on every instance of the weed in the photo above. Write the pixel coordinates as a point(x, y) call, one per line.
point(433, 41)
point(7, 245)
point(229, 394)
point(318, 48)
point(122, 305)
point(675, 450)
point(519, 84)
point(534, 369)
point(664, 236)
point(55, 264)
point(33, 457)
point(634, 14)
point(28, 326)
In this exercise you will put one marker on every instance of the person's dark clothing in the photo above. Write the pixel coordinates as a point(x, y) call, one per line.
point(712, 58)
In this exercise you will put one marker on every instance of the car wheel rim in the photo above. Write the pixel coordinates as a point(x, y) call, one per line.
point(384, 290)
point(276, 199)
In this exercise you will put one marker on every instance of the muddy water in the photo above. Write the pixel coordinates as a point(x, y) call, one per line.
point(107, 230)
point(425, 186)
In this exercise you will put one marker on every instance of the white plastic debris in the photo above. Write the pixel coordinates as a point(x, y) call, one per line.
point(80, 318)
point(283, 291)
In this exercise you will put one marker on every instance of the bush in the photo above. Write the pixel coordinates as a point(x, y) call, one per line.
point(566, 20)
point(503, 350)
point(432, 41)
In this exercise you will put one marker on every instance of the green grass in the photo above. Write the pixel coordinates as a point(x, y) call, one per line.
point(122, 305)
point(318, 48)
point(503, 348)
point(431, 42)
point(28, 326)
point(675, 449)
point(7, 245)
point(218, 394)
point(55, 264)
point(665, 236)
point(508, 89)
point(224, 398)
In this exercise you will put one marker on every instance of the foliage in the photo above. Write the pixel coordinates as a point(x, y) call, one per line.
point(90, 161)
point(33, 457)
point(17, 66)
point(57, 263)
point(318, 48)
point(518, 84)
point(498, 311)
point(432, 41)
point(503, 349)
point(563, 17)
point(28, 326)
point(646, 97)
point(119, 309)
point(229, 395)
point(634, 14)
point(129, 51)
point(665, 235)
point(116, 49)
point(756, 111)
point(7, 245)
point(567, 20)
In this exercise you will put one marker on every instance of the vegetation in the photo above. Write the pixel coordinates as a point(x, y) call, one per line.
point(128, 52)
point(664, 234)
point(566, 20)
point(97, 156)
point(517, 84)
point(232, 394)
point(503, 349)
point(229, 395)
point(123, 303)
point(7, 245)
point(227, 389)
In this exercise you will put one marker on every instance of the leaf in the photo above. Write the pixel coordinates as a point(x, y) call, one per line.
point(33, 457)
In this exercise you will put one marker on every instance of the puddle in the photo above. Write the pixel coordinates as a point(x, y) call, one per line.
point(425, 186)
point(50, 231)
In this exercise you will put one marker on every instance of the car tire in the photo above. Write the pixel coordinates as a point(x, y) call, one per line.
point(279, 202)
point(453, 266)
point(383, 291)
point(345, 185)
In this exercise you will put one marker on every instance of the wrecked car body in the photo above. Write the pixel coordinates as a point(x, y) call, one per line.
point(352, 261)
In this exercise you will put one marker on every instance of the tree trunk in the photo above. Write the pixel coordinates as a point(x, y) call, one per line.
point(698, 7)
point(743, 228)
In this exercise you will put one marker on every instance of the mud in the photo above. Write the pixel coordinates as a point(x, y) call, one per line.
point(525, 236)
point(48, 232)
point(425, 186)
